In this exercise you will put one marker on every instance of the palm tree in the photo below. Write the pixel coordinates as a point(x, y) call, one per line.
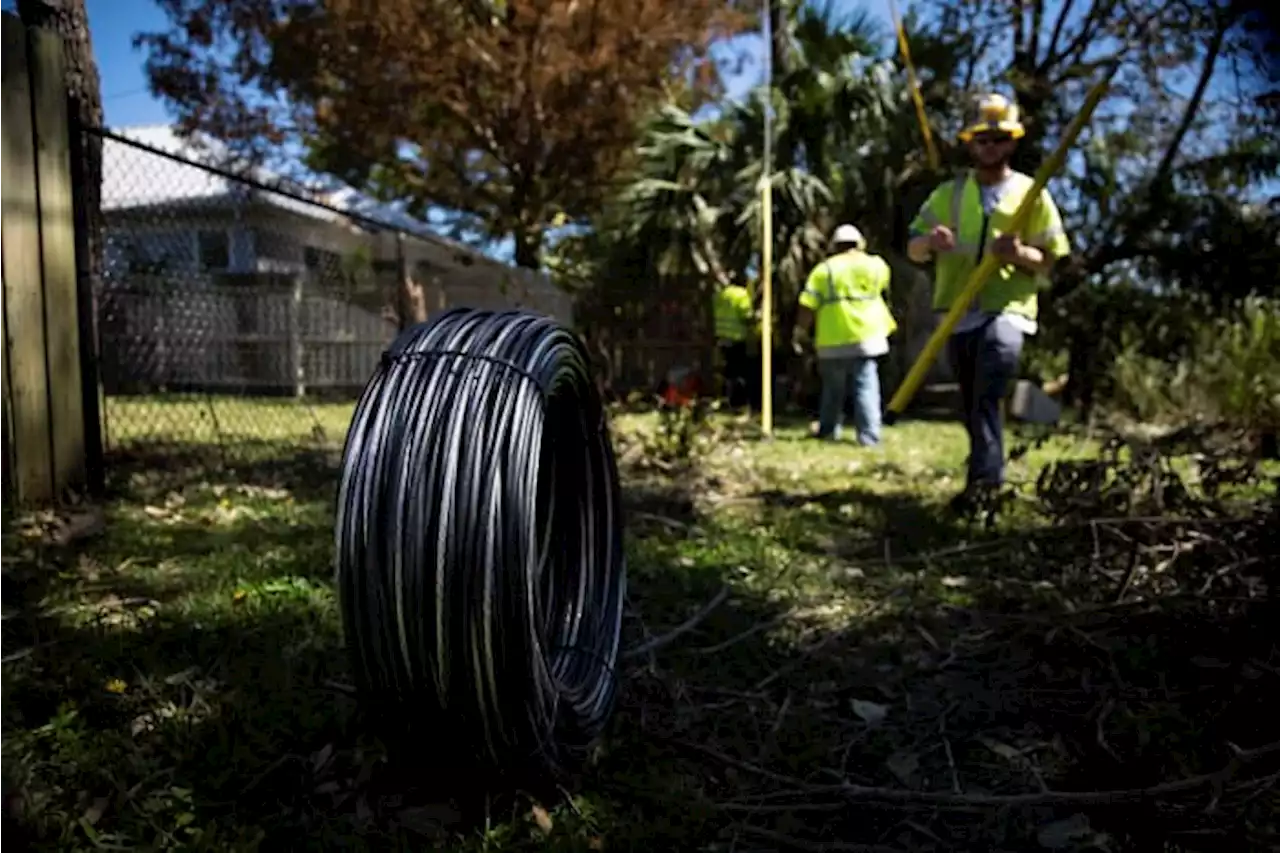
point(846, 149)
point(680, 193)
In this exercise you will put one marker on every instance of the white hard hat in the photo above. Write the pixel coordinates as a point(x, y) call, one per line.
point(848, 235)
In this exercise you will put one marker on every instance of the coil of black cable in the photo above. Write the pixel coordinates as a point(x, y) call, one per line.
point(479, 557)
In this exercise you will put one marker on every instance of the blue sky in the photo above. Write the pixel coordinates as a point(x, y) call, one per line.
point(112, 25)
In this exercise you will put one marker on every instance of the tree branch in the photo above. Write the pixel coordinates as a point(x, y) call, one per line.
point(1037, 21)
point(683, 628)
point(1129, 243)
point(1193, 105)
point(1052, 47)
point(948, 800)
point(1098, 16)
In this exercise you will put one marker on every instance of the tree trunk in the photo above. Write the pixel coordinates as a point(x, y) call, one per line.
point(780, 46)
point(411, 303)
point(408, 295)
point(528, 248)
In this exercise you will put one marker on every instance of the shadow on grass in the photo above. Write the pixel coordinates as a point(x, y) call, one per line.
point(969, 675)
point(179, 681)
point(160, 682)
point(176, 685)
point(307, 471)
point(860, 522)
point(1019, 662)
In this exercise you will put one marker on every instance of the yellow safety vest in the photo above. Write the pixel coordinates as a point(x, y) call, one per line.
point(958, 205)
point(733, 313)
point(846, 295)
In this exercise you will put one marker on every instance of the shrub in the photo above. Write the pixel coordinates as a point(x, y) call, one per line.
point(1230, 372)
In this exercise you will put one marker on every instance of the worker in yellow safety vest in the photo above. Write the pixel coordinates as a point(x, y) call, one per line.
point(844, 299)
point(962, 219)
point(735, 326)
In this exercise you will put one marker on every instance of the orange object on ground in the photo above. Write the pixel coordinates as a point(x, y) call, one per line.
point(681, 387)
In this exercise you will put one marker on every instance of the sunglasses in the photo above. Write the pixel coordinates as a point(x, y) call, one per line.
point(990, 139)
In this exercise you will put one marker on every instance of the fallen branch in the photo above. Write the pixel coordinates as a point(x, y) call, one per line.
point(756, 769)
point(683, 628)
point(674, 524)
point(788, 842)
point(941, 799)
point(983, 546)
point(830, 638)
point(764, 625)
point(340, 687)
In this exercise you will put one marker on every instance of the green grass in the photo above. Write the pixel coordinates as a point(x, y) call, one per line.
point(177, 681)
point(197, 419)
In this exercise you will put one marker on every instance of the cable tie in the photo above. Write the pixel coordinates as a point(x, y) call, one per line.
point(389, 358)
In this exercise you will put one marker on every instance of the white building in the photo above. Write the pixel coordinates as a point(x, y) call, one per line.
point(213, 283)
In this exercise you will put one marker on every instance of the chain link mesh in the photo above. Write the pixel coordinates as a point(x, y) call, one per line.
point(242, 319)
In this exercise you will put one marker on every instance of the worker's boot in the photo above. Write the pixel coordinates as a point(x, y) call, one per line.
point(963, 503)
point(973, 498)
point(979, 500)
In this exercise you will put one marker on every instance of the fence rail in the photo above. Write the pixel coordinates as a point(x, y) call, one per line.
point(274, 341)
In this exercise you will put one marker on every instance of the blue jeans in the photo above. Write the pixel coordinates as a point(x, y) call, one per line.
point(843, 379)
point(985, 360)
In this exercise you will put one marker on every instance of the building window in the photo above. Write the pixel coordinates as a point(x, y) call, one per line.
point(326, 267)
point(146, 252)
point(276, 246)
point(215, 250)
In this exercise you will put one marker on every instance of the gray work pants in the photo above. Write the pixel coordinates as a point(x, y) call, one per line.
point(985, 361)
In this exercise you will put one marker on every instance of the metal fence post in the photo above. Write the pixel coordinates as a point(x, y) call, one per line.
point(297, 355)
point(403, 305)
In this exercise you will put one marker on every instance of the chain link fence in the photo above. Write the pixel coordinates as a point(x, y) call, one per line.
point(238, 318)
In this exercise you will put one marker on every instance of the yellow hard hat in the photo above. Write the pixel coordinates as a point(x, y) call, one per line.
point(993, 113)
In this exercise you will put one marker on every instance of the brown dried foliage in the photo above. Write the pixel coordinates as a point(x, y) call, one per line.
point(509, 112)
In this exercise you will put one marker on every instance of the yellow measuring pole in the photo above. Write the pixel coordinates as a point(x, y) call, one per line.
point(934, 161)
point(989, 263)
point(766, 232)
point(766, 287)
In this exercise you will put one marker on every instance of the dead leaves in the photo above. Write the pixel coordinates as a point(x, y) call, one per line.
point(904, 765)
point(432, 821)
point(872, 713)
point(61, 528)
point(1072, 833)
point(542, 818)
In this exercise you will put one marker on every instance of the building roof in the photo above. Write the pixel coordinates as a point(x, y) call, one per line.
point(133, 176)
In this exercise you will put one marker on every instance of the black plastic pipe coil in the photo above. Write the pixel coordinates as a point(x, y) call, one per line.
point(479, 540)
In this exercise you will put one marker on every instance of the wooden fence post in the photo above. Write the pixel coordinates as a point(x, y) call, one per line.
point(296, 354)
point(44, 405)
point(87, 314)
point(58, 257)
point(6, 414)
point(26, 383)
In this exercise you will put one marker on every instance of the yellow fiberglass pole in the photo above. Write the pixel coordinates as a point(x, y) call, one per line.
point(766, 286)
point(766, 235)
point(932, 150)
point(989, 262)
